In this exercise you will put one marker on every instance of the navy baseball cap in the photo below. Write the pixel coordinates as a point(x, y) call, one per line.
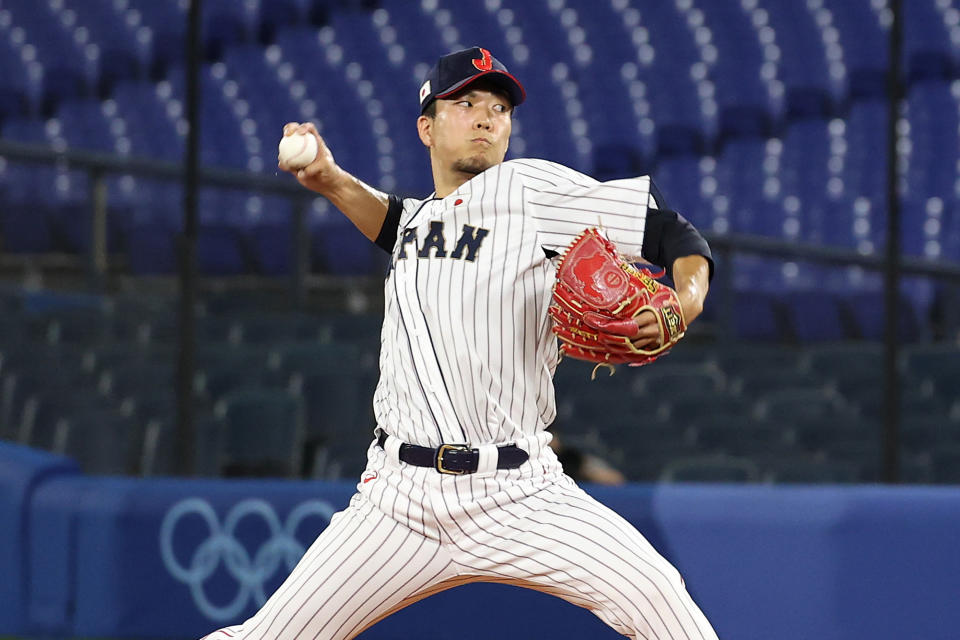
point(456, 70)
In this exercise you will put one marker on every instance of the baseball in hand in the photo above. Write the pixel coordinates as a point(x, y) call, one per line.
point(297, 150)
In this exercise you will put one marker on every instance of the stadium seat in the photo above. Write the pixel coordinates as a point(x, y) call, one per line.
point(44, 411)
point(137, 378)
point(836, 436)
point(263, 432)
point(158, 404)
point(225, 355)
point(946, 465)
point(216, 382)
point(264, 328)
point(159, 454)
point(308, 356)
point(937, 363)
point(787, 405)
point(760, 317)
point(102, 442)
point(760, 381)
point(867, 311)
point(697, 404)
point(865, 46)
point(736, 359)
point(927, 47)
point(929, 433)
point(717, 468)
point(740, 435)
point(338, 405)
point(806, 471)
point(21, 385)
point(814, 317)
point(843, 360)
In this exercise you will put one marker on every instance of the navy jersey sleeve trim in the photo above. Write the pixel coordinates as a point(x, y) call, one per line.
point(658, 198)
point(669, 236)
point(388, 232)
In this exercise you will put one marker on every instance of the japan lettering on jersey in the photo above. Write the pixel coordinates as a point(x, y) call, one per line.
point(467, 355)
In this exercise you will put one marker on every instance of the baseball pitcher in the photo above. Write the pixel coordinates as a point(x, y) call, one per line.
point(503, 270)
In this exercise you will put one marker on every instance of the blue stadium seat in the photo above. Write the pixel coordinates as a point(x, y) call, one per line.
point(213, 383)
point(26, 228)
point(266, 328)
point(926, 224)
point(137, 378)
point(167, 22)
point(277, 14)
point(248, 448)
point(102, 441)
point(19, 92)
point(865, 46)
point(760, 380)
point(864, 166)
point(744, 101)
point(937, 363)
point(928, 434)
point(843, 360)
point(867, 309)
point(338, 248)
point(155, 405)
point(842, 438)
point(223, 355)
point(791, 405)
point(226, 23)
point(44, 411)
point(738, 166)
point(760, 317)
point(932, 114)
point(158, 455)
point(740, 436)
point(928, 50)
point(69, 67)
point(813, 471)
point(715, 468)
point(678, 178)
point(804, 163)
point(814, 316)
point(152, 249)
point(220, 251)
point(124, 50)
point(804, 69)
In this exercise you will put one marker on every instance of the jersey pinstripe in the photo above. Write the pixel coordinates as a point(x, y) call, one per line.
point(467, 354)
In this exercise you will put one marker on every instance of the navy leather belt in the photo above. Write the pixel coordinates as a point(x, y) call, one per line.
point(456, 459)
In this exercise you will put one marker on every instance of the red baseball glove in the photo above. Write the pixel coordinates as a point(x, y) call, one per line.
point(596, 299)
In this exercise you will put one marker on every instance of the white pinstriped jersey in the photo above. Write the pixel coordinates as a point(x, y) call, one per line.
point(467, 355)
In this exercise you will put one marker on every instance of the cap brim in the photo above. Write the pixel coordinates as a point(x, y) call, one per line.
point(502, 78)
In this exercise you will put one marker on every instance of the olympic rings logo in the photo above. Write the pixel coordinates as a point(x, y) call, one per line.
point(221, 546)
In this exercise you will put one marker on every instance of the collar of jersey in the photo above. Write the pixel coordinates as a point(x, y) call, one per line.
point(461, 192)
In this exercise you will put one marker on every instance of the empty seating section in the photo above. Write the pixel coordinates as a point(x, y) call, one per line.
point(753, 116)
point(71, 377)
point(290, 393)
point(756, 116)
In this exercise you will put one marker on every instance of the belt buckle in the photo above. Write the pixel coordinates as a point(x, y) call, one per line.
point(441, 450)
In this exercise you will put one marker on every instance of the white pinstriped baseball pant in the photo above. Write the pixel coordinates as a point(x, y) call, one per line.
point(411, 532)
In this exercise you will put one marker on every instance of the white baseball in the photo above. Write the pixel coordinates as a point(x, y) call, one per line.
point(297, 150)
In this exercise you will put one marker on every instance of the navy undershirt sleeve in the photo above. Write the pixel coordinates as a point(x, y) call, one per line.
point(669, 236)
point(388, 232)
